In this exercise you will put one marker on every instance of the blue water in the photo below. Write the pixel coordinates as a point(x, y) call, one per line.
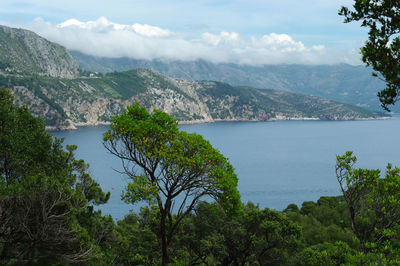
point(277, 163)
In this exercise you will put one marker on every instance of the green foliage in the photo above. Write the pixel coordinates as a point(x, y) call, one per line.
point(326, 220)
point(338, 253)
point(46, 195)
point(138, 245)
point(373, 203)
point(176, 168)
point(382, 49)
point(330, 240)
point(211, 236)
point(179, 158)
point(255, 237)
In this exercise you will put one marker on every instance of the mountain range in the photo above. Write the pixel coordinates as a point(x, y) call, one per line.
point(344, 83)
point(45, 77)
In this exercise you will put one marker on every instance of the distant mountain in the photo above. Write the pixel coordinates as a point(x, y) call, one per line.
point(343, 83)
point(25, 52)
point(66, 103)
point(44, 76)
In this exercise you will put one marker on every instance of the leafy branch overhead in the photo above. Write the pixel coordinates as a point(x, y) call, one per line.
point(382, 49)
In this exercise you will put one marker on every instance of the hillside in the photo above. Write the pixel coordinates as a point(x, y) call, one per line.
point(66, 103)
point(344, 83)
point(24, 52)
point(43, 76)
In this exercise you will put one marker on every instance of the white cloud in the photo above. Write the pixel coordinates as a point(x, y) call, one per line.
point(102, 25)
point(225, 37)
point(278, 42)
point(108, 39)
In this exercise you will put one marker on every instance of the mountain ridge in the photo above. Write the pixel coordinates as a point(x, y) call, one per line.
point(67, 103)
point(81, 98)
point(342, 82)
point(25, 52)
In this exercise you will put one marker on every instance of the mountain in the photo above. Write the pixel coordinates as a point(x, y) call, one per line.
point(43, 76)
point(25, 52)
point(66, 103)
point(344, 83)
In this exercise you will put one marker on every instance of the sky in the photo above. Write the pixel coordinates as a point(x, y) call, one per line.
point(221, 31)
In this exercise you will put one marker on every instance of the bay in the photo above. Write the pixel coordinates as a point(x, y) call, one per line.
point(277, 163)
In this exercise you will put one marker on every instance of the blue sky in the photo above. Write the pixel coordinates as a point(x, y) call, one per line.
point(252, 31)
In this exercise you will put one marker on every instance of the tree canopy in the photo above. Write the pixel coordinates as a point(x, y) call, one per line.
point(382, 49)
point(47, 203)
point(168, 167)
point(255, 237)
point(373, 203)
point(46, 195)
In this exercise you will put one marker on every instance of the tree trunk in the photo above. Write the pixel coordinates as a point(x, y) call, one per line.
point(164, 247)
point(164, 242)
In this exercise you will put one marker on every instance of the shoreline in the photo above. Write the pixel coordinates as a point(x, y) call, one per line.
point(204, 121)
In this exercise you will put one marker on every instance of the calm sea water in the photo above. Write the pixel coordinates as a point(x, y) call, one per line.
point(277, 163)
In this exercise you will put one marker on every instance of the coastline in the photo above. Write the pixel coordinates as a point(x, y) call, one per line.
point(76, 126)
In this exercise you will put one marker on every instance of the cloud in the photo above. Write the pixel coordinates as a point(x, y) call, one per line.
point(102, 25)
point(108, 39)
point(278, 42)
point(225, 37)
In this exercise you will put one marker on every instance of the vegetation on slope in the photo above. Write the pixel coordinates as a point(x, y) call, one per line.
point(47, 216)
point(97, 98)
point(273, 104)
point(343, 83)
point(24, 52)
point(43, 76)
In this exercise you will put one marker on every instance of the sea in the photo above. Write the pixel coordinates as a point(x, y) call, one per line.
point(277, 163)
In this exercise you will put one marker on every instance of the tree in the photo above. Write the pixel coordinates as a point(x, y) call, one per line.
point(254, 237)
point(373, 203)
point(382, 49)
point(176, 169)
point(138, 245)
point(46, 195)
point(323, 221)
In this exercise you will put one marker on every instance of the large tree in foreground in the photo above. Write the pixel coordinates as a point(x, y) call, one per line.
point(382, 49)
point(46, 195)
point(170, 168)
